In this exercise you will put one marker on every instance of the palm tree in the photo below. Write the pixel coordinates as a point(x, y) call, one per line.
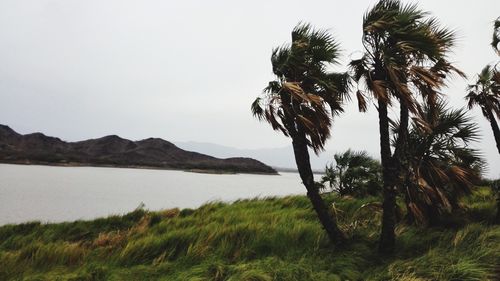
point(301, 102)
point(443, 166)
point(405, 54)
point(355, 173)
point(485, 93)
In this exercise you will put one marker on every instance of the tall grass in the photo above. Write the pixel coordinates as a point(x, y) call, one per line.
point(267, 239)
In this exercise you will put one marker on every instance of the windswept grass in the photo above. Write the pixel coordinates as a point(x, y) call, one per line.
point(270, 239)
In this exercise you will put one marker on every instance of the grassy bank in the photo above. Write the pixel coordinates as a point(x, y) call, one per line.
point(272, 239)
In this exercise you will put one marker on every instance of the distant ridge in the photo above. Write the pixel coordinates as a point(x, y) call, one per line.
point(280, 158)
point(115, 151)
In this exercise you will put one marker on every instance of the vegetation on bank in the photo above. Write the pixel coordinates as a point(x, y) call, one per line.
point(261, 239)
point(425, 149)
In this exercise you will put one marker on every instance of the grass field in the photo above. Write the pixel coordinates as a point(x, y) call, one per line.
point(262, 239)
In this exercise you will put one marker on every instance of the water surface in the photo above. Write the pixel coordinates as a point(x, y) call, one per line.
point(55, 194)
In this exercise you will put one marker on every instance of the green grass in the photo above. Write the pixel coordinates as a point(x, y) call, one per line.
point(253, 240)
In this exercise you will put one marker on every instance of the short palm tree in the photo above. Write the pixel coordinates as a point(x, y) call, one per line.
point(355, 173)
point(405, 54)
point(485, 93)
point(301, 102)
point(442, 164)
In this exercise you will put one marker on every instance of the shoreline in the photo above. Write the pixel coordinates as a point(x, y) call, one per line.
point(189, 170)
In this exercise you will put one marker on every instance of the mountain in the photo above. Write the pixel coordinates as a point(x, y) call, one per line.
point(113, 150)
point(281, 158)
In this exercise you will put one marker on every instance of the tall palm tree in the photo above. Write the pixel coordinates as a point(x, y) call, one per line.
point(301, 102)
point(443, 166)
point(405, 55)
point(485, 93)
point(495, 43)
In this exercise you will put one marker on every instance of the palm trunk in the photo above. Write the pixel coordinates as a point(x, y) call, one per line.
point(401, 150)
point(341, 185)
point(496, 131)
point(410, 216)
point(497, 219)
point(432, 213)
point(389, 174)
point(304, 167)
point(401, 155)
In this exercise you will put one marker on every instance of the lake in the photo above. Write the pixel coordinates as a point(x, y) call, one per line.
point(56, 194)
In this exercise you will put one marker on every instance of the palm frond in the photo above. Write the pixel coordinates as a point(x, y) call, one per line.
point(496, 36)
point(304, 96)
point(406, 54)
point(441, 162)
point(257, 109)
point(485, 92)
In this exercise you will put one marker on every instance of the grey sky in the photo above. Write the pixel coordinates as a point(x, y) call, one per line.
point(188, 70)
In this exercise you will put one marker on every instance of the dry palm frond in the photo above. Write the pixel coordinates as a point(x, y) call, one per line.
point(304, 96)
point(442, 165)
point(406, 54)
point(485, 92)
point(362, 105)
point(496, 36)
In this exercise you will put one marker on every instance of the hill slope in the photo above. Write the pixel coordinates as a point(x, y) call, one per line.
point(112, 150)
point(263, 240)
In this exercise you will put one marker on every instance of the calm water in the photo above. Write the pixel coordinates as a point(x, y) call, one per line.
point(69, 193)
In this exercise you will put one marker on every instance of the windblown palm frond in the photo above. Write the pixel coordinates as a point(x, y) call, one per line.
point(305, 95)
point(496, 36)
point(485, 92)
point(443, 167)
point(405, 54)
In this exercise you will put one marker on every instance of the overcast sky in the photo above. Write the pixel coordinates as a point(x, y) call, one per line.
point(188, 70)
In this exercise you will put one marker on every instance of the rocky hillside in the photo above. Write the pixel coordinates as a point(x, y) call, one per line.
point(38, 148)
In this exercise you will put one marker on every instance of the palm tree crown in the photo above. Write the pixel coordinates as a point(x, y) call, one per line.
point(496, 36)
point(485, 92)
point(304, 95)
point(406, 51)
point(443, 165)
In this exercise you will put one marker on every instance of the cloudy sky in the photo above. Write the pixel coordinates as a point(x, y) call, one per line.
point(188, 70)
